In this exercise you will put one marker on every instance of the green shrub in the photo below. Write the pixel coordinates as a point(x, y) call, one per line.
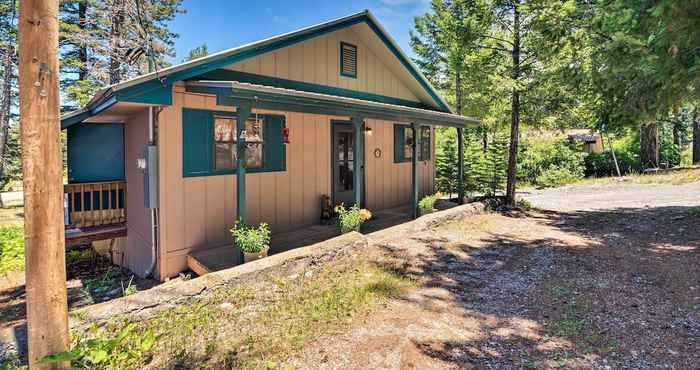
point(127, 349)
point(602, 164)
point(351, 218)
point(492, 170)
point(550, 161)
point(11, 248)
point(553, 177)
point(251, 239)
point(428, 202)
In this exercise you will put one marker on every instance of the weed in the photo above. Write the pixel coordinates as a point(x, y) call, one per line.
point(694, 212)
point(524, 204)
point(125, 350)
point(249, 328)
point(130, 287)
point(76, 256)
point(11, 249)
point(102, 284)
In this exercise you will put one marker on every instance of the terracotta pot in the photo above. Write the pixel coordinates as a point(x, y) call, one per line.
point(424, 211)
point(356, 228)
point(248, 257)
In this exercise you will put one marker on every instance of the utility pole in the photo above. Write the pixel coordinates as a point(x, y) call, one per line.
point(47, 308)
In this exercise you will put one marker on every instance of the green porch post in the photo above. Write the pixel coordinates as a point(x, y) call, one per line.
point(414, 170)
point(358, 159)
point(243, 114)
point(460, 165)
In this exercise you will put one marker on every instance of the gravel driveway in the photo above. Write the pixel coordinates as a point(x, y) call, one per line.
point(601, 277)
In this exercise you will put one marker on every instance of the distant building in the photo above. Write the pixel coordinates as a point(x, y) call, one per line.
point(590, 139)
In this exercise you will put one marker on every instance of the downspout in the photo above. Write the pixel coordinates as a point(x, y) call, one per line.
point(152, 118)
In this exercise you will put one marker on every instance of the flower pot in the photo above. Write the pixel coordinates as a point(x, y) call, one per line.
point(424, 211)
point(248, 257)
point(356, 228)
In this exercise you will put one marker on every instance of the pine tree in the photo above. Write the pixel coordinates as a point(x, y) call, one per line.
point(198, 52)
point(446, 173)
point(493, 169)
point(107, 41)
point(8, 76)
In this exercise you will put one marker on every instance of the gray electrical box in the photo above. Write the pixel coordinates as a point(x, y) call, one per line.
point(150, 176)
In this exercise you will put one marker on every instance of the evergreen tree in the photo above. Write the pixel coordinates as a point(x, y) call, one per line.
point(198, 52)
point(446, 173)
point(8, 78)
point(107, 41)
point(492, 171)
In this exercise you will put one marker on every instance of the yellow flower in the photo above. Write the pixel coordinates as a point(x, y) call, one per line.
point(365, 214)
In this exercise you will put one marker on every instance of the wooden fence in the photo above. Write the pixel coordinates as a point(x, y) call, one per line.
point(95, 204)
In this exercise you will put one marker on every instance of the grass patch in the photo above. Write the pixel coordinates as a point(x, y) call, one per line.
point(11, 248)
point(694, 212)
point(669, 177)
point(12, 214)
point(252, 327)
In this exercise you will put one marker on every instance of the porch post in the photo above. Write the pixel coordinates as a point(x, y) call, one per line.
point(243, 114)
point(414, 170)
point(358, 158)
point(460, 165)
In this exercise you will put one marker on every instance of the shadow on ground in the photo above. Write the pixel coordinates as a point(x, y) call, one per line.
point(578, 290)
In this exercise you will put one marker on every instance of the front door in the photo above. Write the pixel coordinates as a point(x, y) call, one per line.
point(343, 163)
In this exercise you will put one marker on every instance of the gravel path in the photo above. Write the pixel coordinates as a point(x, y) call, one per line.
point(603, 277)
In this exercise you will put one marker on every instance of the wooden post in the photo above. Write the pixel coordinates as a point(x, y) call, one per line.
point(47, 308)
point(460, 165)
point(414, 170)
point(243, 114)
point(358, 159)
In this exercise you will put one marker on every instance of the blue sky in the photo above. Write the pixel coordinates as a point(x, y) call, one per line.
point(225, 24)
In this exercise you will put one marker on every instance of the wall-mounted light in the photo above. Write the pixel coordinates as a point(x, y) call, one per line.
point(368, 130)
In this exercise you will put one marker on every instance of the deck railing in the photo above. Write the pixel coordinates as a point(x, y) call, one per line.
point(95, 203)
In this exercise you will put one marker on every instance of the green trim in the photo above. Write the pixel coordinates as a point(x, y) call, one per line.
point(460, 165)
point(342, 60)
point(358, 160)
point(243, 114)
point(414, 171)
point(228, 75)
point(227, 95)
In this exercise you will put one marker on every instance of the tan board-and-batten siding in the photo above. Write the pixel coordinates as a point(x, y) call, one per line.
point(198, 212)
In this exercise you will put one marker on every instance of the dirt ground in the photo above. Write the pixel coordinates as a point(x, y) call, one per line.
point(600, 277)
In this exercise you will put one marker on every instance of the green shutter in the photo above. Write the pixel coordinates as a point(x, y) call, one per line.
point(275, 156)
point(398, 143)
point(197, 131)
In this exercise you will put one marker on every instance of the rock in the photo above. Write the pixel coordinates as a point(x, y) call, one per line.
point(226, 306)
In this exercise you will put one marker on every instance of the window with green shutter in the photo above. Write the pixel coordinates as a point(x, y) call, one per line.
point(209, 143)
point(403, 143)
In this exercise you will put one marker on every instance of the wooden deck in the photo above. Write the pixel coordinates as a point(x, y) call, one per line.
point(220, 258)
point(87, 235)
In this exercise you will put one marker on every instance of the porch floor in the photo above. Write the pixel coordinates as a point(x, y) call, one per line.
point(220, 258)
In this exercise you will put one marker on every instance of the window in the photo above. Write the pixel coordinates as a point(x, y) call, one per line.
point(403, 143)
point(209, 142)
point(348, 60)
point(424, 144)
point(225, 143)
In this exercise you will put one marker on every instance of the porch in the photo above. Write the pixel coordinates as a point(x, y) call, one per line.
point(220, 258)
point(94, 211)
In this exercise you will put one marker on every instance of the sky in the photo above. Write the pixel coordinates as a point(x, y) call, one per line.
point(223, 24)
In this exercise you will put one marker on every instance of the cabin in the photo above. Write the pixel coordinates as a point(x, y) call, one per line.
point(161, 166)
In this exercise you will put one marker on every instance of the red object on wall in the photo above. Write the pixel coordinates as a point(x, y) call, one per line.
point(285, 135)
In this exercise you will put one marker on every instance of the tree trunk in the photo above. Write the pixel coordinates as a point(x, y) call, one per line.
point(649, 146)
point(515, 112)
point(82, 51)
point(6, 104)
point(115, 43)
point(696, 137)
point(44, 233)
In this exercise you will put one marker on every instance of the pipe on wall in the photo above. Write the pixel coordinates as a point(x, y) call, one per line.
point(152, 121)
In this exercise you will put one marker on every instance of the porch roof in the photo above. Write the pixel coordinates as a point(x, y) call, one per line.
point(277, 98)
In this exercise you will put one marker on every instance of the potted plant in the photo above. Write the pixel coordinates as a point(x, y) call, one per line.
point(253, 242)
point(427, 204)
point(352, 219)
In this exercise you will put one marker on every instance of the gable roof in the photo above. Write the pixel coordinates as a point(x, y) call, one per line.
point(156, 87)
